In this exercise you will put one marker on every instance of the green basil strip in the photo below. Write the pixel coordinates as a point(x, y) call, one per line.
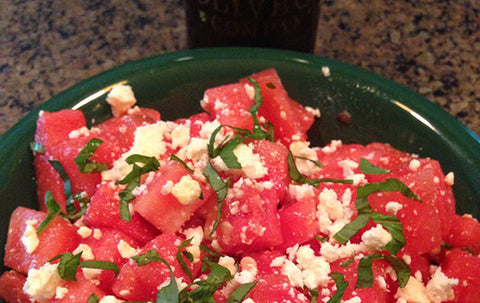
point(177, 159)
point(352, 228)
point(93, 298)
point(67, 267)
point(53, 210)
point(240, 292)
point(296, 176)
point(341, 287)
point(317, 163)
point(220, 187)
point(105, 265)
point(365, 274)
point(401, 268)
point(390, 184)
point(321, 239)
point(37, 147)
point(67, 187)
point(313, 295)
point(395, 228)
point(212, 151)
point(133, 180)
point(168, 293)
point(147, 258)
point(83, 162)
point(217, 277)
point(368, 168)
point(348, 262)
point(227, 155)
point(258, 132)
point(181, 260)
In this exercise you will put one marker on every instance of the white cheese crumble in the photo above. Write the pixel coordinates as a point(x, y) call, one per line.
point(121, 98)
point(187, 190)
point(97, 234)
point(450, 178)
point(110, 299)
point(229, 263)
point(60, 292)
point(376, 237)
point(125, 250)
point(86, 251)
point(326, 71)
point(91, 273)
point(29, 238)
point(41, 284)
point(393, 207)
point(439, 288)
point(180, 136)
point(414, 165)
point(414, 291)
point(84, 232)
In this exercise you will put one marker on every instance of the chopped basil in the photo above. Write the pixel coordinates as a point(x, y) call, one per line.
point(365, 274)
point(368, 168)
point(313, 295)
point(364, 271)
point(37, 147)
point(174, 157)
point(258, 132)
point(352, 228)
point(395, 228)
point(204, 289)
point(69, 263)
point(348, 262)
point(105, 265)
point(341, 287)
point(53, 210)
point(317, 163)
point(133, 180)
point(240, 292)
point(401, 268)
point(147, 258)
point(321, 239)
point(296, 176)
point(220, 187)
point(181, 260)
point(67, 187)
point(93, 298)
point(67, 267)
point(82, 160)
point(168, 293)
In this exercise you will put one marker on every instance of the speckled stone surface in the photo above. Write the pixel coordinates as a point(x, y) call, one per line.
point(432, 47)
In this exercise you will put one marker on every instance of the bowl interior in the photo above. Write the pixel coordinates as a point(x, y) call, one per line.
point(380, 110)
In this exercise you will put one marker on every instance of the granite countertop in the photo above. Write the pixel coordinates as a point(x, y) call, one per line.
point(432, 47)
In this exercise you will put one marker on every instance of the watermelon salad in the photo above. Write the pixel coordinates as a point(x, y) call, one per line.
point(233, 205)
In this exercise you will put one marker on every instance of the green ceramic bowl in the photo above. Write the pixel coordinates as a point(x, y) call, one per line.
point(381, 110)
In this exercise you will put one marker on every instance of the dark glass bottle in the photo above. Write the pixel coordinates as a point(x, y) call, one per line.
point(286, 24)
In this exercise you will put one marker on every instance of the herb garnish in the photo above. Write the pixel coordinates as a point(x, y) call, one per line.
point(67, 267)
point(296, 176)
point(53, 210)
point(82, 160)
point(240, 292)
point(181, 260)
point(368, 168)
point(365, 274)
point(175, 158)
point(133, 180)
point(67, 187)
point(220, 187)
point(93, 298)
point(341, 287)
